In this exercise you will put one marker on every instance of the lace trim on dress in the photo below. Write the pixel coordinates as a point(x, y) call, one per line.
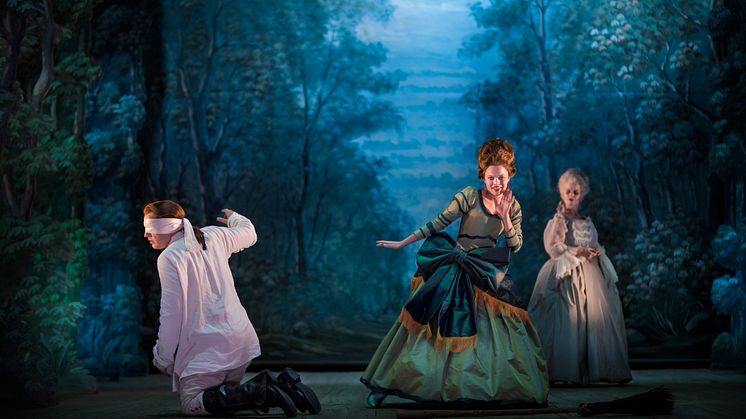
point(565, 264)
point(582, 232)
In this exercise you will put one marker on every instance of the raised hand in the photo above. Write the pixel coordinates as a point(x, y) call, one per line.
point(227, 212)
point(503, 203)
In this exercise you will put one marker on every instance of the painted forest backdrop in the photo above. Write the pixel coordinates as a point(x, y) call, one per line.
point(260, 107)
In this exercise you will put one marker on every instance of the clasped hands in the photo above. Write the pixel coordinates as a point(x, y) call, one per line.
point(588, 252)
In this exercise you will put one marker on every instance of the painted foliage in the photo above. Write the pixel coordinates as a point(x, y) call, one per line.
point(310, 118)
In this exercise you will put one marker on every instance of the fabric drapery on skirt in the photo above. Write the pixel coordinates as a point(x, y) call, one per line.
point(460, 338)
point(581, 324)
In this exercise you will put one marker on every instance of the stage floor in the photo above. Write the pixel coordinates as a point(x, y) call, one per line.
point(699, 393)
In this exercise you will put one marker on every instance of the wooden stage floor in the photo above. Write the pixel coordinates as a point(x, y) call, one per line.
point(699, 393)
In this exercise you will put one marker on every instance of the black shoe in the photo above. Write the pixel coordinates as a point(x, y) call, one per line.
point(229, 398)
point(278, 398)
point(303, 397)
point(259, 393)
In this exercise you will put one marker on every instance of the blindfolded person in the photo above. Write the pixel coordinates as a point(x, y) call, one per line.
point(205, 339)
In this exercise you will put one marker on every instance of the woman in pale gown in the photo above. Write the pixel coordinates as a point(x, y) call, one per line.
point(575, 304)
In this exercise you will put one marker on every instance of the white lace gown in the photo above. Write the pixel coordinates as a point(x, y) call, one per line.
point(576, 310)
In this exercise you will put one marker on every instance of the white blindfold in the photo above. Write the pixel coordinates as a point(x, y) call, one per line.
point(170, 226)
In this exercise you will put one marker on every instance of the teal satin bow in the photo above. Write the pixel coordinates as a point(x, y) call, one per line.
point(450, 273)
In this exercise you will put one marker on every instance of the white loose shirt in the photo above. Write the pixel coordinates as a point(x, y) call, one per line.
point(204, 328)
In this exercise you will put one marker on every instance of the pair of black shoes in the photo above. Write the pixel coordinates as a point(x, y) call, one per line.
point(261, 393)
point(303, 397)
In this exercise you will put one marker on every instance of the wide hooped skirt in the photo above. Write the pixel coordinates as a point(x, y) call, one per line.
point(504, 365)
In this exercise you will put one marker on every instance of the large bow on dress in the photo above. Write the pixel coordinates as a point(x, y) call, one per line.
point(447, 295)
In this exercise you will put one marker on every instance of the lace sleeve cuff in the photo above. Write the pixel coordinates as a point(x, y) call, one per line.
point(565, 263)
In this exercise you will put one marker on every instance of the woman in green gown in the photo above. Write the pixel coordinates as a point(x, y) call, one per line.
point(460, 337)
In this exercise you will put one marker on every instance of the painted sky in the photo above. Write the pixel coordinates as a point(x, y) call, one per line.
point(434, 155)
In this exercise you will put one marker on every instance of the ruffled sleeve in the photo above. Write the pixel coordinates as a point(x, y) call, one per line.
point(554, 244)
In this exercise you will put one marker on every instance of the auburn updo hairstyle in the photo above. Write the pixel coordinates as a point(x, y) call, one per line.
point(495, 152)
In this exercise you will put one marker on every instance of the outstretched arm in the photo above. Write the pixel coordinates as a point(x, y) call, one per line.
point(458, 207)
point(397, 244)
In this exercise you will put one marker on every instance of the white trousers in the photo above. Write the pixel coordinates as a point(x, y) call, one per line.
point(192, 387)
